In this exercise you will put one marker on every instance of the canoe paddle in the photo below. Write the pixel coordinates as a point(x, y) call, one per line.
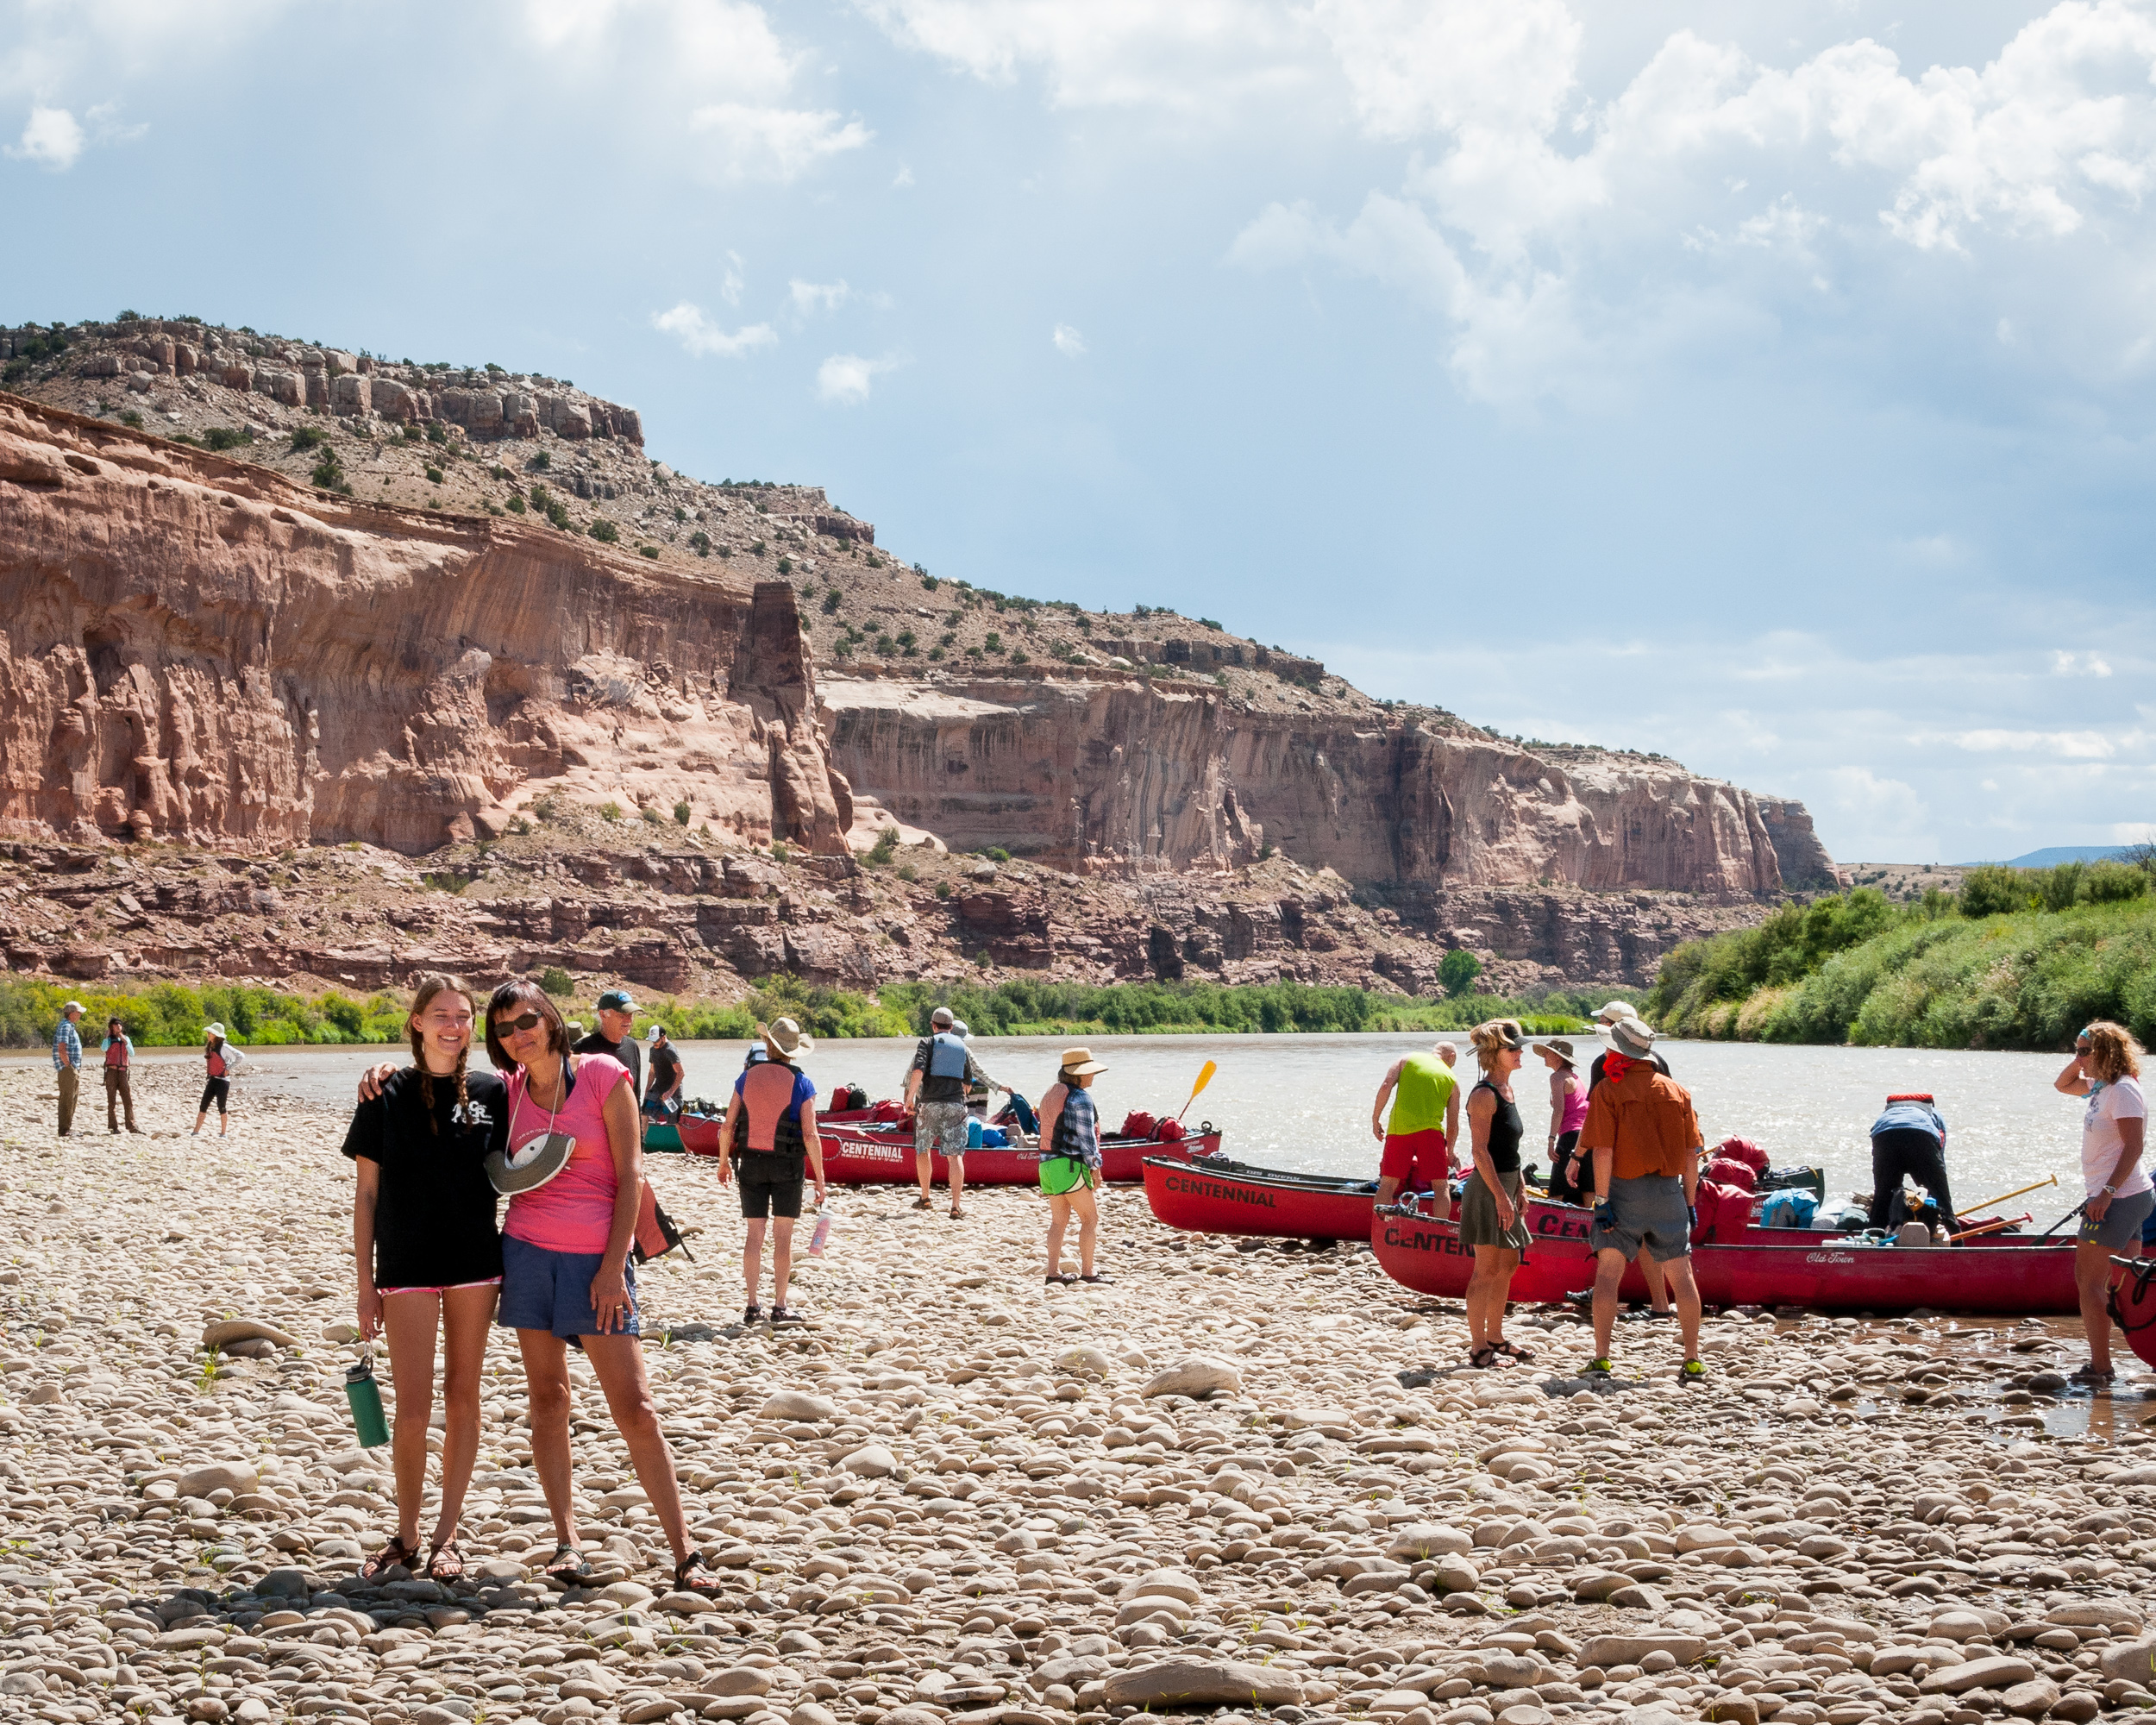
point(1983, 1204)
point(2063, 1220)
point(1204, 1077)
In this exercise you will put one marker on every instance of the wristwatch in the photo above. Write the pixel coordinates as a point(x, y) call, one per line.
point(2108, 1190)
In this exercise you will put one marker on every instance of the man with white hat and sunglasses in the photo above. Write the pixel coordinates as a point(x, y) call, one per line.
point(1645, 1141)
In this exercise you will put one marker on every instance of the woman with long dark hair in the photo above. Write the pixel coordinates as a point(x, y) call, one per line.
point(429, 1257)
point(575, 1171)
point(1493, 1208)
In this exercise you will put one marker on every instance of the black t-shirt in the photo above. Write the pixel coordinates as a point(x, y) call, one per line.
point(666, 1067)
point(434, 1208)
point(1595, 1072)
point(627, 1050)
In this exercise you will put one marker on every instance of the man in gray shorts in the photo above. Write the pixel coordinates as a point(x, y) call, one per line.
point(1645, 1141)
point(935, 1084)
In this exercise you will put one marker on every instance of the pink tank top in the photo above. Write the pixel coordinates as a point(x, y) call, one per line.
point(1575, 1106)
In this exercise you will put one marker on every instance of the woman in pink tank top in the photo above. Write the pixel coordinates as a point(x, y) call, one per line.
point(565, 1262)
point(1568, 1114)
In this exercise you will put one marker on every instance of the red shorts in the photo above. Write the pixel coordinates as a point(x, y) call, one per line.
point(1417, 1160)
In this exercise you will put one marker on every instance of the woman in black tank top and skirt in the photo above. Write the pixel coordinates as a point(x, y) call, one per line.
point(1493, 1208)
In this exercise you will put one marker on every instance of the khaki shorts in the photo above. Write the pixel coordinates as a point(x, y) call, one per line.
point(1478, 1214)
point(1650, 1212)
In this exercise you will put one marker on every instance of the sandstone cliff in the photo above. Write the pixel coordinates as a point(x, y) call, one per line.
point(410, 611)
point(1139, 775)
point(197, 650)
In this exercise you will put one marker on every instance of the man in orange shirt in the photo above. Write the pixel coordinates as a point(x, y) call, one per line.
point(1645, 1141)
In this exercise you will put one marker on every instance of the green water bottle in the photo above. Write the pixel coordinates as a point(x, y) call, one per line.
point(366, 1397)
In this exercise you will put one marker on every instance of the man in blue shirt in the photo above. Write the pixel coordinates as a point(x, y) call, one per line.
point(67, 1062)
point(1909, 1139)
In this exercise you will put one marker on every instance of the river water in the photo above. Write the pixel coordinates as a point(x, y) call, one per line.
point(1303, 1102)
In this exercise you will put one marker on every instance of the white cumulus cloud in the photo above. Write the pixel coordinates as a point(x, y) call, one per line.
point(717, 69)
point(698, 336)
point(2065, 664)
point(1069, 343)
point(846, 379)
point(1200, 58)
point(810, 297)
point(1560, 230)
point(775, 143)
point(53, 139)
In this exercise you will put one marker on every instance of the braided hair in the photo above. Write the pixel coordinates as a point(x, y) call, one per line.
point(437, 982)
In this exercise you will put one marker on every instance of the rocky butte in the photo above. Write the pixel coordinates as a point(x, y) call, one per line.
point(262, 599)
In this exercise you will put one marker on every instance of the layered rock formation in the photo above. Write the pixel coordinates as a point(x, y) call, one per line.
point(200, 655)
point(197, 650)
point(1143, 776)
point(487, 402)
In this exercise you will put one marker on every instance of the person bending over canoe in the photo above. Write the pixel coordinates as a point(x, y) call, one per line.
point(1909, 1139)
point(2106, 1068)
point(1645, 1140)
point(1425, 1125)
point(1494, 1205)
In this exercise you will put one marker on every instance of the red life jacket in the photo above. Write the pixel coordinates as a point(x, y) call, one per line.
point(766, 1092)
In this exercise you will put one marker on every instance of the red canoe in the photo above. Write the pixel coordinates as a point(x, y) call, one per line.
point(883, 1155)
point(1216, 1195)
point(2001, 1276)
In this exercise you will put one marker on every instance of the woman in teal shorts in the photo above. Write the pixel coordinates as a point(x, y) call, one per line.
point(1070, 1163)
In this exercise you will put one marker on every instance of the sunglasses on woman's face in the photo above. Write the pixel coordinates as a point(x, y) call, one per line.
point(517, 1026)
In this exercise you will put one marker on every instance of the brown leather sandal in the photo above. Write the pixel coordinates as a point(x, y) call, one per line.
point(694, 1575)
point(445, 1562)
point(396, 1552)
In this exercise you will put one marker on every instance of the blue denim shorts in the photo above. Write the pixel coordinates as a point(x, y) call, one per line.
point(552, 1290)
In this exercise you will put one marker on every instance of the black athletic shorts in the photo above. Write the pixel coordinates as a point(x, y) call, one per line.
point(770, 1185)
point(215, 1091)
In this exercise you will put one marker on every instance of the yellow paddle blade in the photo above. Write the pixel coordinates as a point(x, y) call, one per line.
point(1204, 1077)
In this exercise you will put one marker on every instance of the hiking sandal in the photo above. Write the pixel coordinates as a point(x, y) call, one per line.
point(921, 1204)
point(1483, 1358)
point(694, 1575)
point(1055, 1278)
point(2096, 1378)
point(1097, 1279)
point(391, 1556)
point(445, 1562)
point(569, 1566)
point(957, 1215)
point(1511, 1351)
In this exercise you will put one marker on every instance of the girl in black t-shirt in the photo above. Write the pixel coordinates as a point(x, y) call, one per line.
point(429, 1255)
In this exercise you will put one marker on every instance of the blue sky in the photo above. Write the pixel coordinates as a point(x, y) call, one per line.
point(1764, 384)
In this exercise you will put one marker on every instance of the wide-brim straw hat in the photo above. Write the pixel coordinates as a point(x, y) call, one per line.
point(1077, 1062)
point(788, 1037)
point(1562, 1050)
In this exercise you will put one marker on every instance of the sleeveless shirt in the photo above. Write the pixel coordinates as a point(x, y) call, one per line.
point(1425, 1086)
point(1505, 1129)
